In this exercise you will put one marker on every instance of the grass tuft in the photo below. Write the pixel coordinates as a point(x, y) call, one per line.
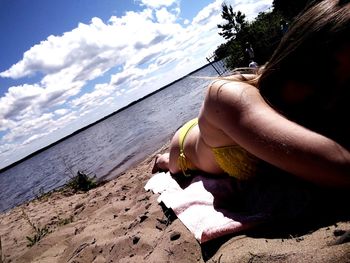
point(39, 232)
point(81, 182)
point(65, 221)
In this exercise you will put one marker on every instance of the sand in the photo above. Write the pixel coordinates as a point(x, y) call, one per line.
point(121, 222)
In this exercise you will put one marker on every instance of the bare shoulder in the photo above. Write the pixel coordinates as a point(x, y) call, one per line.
point(233, 92)
point(227, 100)
point(239, 77)
point(240, 80)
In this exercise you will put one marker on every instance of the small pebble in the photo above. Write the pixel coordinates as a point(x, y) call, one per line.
point(344, 238)
point(338, 232)
point(143, 218)
point(174, 236)
point(135, 239)
point(162, 221)
point(298, 239)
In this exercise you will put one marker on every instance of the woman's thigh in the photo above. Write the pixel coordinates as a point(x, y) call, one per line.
point(174, 152)
point(204, 158)
point(196, 151)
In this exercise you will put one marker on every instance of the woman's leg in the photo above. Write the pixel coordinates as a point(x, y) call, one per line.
point(174, 153)
point(161, 163)
point(168, 161)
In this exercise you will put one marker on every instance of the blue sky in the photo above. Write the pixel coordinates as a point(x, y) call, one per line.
point(65, 64)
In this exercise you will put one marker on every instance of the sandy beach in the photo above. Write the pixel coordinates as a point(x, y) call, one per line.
point(120, 222)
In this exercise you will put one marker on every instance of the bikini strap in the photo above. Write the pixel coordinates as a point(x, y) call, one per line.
point(182, 160)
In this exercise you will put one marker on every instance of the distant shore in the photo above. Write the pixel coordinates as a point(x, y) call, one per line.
point(96, 122)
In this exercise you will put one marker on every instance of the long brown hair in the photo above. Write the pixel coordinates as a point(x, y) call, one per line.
point(306, 56)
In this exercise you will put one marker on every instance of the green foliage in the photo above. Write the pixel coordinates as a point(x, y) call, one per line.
point(236, 57)
point(235, 22)
point(65, 221)
point(264, 34)
point(81, 182)
point(78, 182)
point(228, 15)
point(221, 51)
point(39, 234)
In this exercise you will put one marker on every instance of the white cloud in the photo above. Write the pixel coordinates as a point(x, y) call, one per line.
point(165, 17)
point(5, 148)
point(250, 7)
point(34, 138)
point(18, 99)
point(87, 44)
point(157, 3)
point(61, 112)
point(141, 45)
point(29, 127)
point(213, 9)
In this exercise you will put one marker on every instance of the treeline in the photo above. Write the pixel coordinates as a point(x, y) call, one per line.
point(260, 36)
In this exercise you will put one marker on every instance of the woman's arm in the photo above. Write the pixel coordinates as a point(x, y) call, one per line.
point(241, 113)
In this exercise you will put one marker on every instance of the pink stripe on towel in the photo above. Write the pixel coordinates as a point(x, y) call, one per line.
point(194, 206)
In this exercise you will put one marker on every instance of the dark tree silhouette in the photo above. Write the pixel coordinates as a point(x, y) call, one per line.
point(235, 22)
point(263, 34)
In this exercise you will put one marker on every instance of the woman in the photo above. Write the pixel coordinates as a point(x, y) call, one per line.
point(292, 114)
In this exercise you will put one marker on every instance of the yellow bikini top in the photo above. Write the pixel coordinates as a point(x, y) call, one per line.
point(236, 161)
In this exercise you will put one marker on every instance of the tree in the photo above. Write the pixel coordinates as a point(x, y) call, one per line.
point(221, 51)
point(236, 55)
point(265, 34)
point(235, 22)
point(235, 31)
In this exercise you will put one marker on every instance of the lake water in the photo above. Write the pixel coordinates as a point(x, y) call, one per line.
point(112, 145)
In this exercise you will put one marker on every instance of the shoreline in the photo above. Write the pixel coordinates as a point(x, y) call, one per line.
point(96, 122)
point(120, 222)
